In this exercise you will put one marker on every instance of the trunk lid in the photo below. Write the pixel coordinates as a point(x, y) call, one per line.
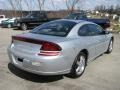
point(31, 43)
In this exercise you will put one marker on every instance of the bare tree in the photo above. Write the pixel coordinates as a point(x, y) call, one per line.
point(71, 4)
point(53, 4)
point(16, 5)
point(19, 6)
point(11, 2)
point(29, 5)
point(41, 4)
point(117, 9)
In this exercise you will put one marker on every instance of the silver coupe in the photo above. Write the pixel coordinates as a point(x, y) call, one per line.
point(60, 47)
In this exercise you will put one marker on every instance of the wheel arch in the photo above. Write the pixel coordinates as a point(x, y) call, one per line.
point(85, 51)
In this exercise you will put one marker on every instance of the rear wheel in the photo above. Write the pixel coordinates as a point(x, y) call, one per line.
point(110, 47)
point(79, 65)
point(24, 26)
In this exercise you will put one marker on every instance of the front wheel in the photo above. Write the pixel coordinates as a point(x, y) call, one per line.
point(23, 26)
point(78, 66)
point(9, 26)
point(110, 47)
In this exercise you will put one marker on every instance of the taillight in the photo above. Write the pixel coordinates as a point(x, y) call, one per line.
point(47, 46)
point(49, 49)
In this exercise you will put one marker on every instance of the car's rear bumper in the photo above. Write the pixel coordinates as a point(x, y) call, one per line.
point(40, 65)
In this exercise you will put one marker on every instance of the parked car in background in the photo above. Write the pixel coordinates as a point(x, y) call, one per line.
point(104, 23)
point(8, 23)
point(60, 47)
point(2, 17)
point(32, 20)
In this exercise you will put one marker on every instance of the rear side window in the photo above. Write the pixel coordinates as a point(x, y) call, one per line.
point(94, 29)
point(55, 28)
point(84, 31)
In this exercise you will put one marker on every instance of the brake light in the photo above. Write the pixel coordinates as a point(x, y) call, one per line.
point(49, 49)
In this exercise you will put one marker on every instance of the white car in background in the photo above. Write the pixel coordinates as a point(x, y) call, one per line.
point(2, 18)
point(9, 23)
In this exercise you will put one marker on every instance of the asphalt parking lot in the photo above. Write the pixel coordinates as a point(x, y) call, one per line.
point(101, 74)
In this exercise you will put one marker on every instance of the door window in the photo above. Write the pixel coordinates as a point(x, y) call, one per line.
point(90, 30)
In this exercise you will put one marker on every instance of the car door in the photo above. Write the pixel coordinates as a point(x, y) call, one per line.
point(35, 19)
point(88, 40)
point(96, 32)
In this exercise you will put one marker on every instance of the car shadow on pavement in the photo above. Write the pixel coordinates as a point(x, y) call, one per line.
point(33, 77)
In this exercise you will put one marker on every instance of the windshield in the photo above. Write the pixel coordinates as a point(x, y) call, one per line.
point(76, 16)
point(55, 28)
point(32, 15)
point(35, 15)
point(71, 16)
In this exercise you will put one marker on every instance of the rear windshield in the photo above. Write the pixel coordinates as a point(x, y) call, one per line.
point(55, 28)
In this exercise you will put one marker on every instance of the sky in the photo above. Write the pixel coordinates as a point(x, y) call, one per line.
point(60, 4)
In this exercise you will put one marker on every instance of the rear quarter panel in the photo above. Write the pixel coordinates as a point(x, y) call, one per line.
point(72, 47)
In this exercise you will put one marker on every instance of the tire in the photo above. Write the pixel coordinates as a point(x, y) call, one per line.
point(9, 26)
point(23, 26)
point(79, 65)
point(110, 47)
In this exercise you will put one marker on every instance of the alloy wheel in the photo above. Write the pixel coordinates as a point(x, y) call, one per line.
point(80, 65)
